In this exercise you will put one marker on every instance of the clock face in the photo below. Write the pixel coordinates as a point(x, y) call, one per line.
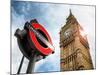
point(67, 32)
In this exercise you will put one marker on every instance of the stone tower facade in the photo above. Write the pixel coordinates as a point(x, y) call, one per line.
point(74, 47)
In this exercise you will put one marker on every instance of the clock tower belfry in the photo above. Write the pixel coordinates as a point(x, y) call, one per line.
point(74, 47)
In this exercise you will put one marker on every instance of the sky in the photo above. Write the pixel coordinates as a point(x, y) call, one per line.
point(52, 17)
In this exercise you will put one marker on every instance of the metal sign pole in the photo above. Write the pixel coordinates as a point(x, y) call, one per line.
point(31, 64)
point(20, 65)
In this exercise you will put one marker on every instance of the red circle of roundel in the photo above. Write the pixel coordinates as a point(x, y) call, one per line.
point(41, 49)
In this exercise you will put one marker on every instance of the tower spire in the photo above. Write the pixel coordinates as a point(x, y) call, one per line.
point(70, 11)
point(71, 18)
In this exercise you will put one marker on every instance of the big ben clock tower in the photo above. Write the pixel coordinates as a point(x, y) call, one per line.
point(74, 47)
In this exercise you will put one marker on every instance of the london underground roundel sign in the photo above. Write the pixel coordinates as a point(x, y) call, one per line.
point(34, 39)
point(38, 39)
